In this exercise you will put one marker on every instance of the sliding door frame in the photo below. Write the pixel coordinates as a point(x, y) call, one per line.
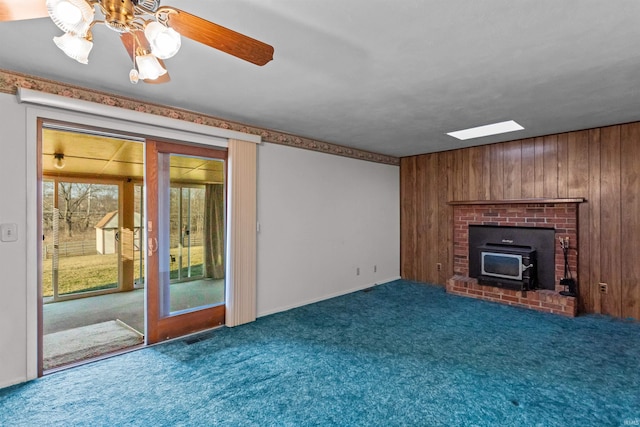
point(40, 107)
point(162, 327)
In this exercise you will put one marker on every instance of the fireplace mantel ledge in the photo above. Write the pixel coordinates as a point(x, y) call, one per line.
point(516, 201)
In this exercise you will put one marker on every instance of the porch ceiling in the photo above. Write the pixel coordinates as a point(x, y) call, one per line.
point(95, 156)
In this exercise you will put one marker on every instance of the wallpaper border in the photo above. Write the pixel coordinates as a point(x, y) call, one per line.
point(10, 81)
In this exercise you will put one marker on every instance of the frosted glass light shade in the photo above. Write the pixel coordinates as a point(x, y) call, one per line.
point(165, 42)
point(71, 16)
point(74, 47)
point(149, 67)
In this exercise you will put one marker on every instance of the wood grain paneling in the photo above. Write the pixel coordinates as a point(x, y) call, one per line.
point(610, 219)
point(602, 165)
point(577, 161)
point(562, 160)
point(433, 220)
point(512, 170)
point(460, 174)
point(445, 216)
point(528, 168)
point(538, 172)
point(486, 173)
point(407, 214)
point(593, 241)
point(497, 172)
point(550, 166)
point(630, 223)
point(476, 170)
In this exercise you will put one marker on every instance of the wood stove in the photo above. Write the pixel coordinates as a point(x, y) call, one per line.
point(507, 266)
point(520, 258)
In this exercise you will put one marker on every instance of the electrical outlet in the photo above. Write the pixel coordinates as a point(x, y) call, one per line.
point(603, 288)
point(439, 266)
point(357, 271)
point(375, 268)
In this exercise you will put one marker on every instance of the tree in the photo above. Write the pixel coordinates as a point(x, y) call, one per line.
point(72, 196)
point(82, 205)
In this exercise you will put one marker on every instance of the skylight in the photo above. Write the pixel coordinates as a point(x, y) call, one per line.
point(486, 130)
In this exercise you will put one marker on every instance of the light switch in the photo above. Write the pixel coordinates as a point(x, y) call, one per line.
point(8, 232)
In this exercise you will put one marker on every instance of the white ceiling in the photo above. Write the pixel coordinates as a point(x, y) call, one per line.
point(389, 76)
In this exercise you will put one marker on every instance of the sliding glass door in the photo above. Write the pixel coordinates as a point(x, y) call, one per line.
point(90, 236)
point(185, 230)
point(81, 237)
point(132, 235)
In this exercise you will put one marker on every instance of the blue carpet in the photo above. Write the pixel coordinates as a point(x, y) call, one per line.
point(402, 353)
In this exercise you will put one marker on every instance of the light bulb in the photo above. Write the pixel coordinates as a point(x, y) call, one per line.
point(68, 13)
point(58, 160)
point(71, 16)
point(165, 42)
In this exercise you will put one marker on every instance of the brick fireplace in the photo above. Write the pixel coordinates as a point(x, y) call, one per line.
point(558, 214)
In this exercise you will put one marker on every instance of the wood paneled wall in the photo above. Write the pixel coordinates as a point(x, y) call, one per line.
point(602, 165)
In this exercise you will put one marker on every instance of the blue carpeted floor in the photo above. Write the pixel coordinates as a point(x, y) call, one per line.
point(401, 354)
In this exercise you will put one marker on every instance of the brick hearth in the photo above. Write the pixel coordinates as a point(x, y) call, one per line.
point(560, 216)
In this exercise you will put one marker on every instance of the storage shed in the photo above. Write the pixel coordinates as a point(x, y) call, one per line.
point(107, 232)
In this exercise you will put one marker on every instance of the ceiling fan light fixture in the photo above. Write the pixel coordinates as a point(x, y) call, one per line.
point(148, 67)
point(74, 46)
point(150, 33)
point(165, 42)
point(71, 16)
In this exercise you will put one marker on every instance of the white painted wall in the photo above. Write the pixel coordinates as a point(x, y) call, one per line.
point(13, 259)
point(321, 217)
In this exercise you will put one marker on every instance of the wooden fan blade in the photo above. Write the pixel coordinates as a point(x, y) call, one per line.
point(219, 37)
point(16, 10)
point(129, 41)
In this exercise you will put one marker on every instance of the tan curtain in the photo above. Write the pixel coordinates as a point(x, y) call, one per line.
point(241, 219)
point(214, 231)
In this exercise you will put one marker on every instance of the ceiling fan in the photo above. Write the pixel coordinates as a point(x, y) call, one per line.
point(149, 32)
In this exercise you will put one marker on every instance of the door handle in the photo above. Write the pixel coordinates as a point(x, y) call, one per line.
point(152, 244)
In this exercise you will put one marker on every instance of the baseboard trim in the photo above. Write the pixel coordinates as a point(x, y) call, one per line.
point(14, 381)
point(328, 296)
